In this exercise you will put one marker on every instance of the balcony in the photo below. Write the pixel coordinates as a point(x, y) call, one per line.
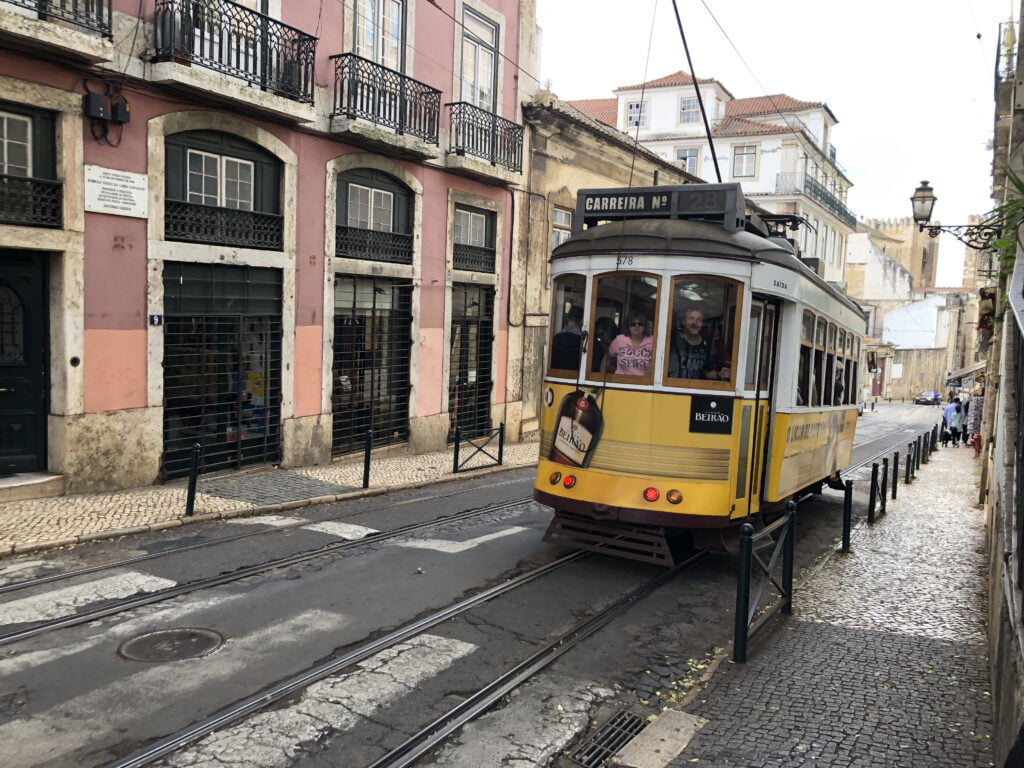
point(382, 107)
point(372, 245)
point(239, 43)
point(70, 27)
point(796, 183)
point(476, 133)
point(31, 202)
point(194, 223)
point(472, 258)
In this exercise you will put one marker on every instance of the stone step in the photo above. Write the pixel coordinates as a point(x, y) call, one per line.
point(31, 485)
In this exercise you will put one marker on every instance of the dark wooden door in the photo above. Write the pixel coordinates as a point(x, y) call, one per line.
point(24, 351)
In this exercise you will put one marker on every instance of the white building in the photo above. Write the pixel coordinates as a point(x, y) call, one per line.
point(779, 148)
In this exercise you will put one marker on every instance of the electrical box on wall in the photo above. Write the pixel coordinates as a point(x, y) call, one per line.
point(97, 106)
point(121, 112)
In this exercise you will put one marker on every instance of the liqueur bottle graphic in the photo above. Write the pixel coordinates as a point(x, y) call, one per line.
point(577, 429)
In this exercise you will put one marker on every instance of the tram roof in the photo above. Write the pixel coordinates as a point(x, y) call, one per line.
point(692, 238)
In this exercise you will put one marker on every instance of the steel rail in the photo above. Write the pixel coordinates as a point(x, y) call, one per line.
point(433, 734)
point(279, 691)
point(253, 570)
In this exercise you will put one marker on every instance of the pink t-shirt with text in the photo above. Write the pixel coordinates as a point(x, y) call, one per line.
point(630, 361)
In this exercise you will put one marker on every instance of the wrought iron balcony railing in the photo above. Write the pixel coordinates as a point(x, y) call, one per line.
point(473, 258)
point(795, 183)
point(369, 91)
point(483, 134)
point(31, 202)
point(371, 245)
point(94, 15)
point(195, 223)
point(230, 38)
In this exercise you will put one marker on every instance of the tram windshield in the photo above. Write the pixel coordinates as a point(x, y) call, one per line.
point(623, 326)
point(567, 321)
point(702, 335)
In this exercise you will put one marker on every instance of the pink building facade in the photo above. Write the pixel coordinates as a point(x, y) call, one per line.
point(274, 229)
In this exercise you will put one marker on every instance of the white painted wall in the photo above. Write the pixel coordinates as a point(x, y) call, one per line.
point(918, 325)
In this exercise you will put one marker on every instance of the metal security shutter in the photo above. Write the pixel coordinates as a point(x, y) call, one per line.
point(372, 344)
point(222, 366)
point(469, 376)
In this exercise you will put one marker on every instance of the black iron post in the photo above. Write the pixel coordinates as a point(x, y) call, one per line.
point(884, 485)
point(455, 458)
point(501, 442)
point(910, 462)
point(895, 472)
point(935, 438)
point(873, 494)
point(739, 636)
point(193, 474)
point(847, 515)
point(788, 548)
point(917, 455)
point(925, 447)
point(366, 458)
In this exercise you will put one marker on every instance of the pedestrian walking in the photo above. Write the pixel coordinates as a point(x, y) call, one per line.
point(956, 424)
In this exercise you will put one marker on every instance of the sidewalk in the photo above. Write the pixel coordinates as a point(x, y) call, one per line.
point(883, 661)
point(36, 524)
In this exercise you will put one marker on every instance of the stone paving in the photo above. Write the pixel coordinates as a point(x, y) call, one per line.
point(36, 524)
point(882, 662)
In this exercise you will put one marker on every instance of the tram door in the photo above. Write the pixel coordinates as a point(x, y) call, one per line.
point(758, 378)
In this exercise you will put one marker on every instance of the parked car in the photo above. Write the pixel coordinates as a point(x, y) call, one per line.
point(931, 397)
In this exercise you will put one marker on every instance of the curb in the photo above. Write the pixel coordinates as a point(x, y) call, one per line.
point(253, 511)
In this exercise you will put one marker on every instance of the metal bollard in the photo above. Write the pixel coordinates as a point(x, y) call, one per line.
point(455, 457)
point(935, 438)
point(925, 447)
point(501, 442)
point(895, 472)
point(847, 515)
point(739, 645)
point(366, 458)
point(910, 462)
point(193, 474)
point(917, 455)
point(884, 485)
point(788, 547)
point(873, 495)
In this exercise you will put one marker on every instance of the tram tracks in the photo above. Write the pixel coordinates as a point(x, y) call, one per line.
point(432, 734)
point(168, 593)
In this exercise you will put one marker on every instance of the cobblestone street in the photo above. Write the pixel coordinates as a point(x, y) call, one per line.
point(883, 661)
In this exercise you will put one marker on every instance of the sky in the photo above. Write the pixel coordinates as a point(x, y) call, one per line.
point(910, 81)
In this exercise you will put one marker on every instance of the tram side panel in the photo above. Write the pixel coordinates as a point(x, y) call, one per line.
point(701, 447)
point(807, 448)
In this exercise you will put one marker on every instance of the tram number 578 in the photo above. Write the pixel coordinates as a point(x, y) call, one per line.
point(623, 261)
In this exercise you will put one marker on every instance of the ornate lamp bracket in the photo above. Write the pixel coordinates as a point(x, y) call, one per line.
point(978, 237)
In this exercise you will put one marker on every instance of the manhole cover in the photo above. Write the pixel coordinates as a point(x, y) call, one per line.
point(171, 645)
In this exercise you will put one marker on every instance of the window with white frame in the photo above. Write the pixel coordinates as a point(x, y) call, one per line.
point(479, 60)
point(561, 227)
point(15, 145)
point(688, 157)
point(744, 160)
point(218, 180)
point(370, 208)
point(471, 228)
point(380, 31)
point(689, 110)
point(636, 114)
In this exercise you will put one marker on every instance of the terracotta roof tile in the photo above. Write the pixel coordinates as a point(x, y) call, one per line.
point(738, 126)
point(676, 78)
point(603, 110)
point(767, 105)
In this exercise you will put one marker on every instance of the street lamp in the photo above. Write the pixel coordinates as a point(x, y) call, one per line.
point(977, 236)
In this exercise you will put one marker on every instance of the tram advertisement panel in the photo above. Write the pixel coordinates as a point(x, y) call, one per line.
point(711, 415)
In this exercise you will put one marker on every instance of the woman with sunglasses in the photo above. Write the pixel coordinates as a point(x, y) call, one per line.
point(630, 353)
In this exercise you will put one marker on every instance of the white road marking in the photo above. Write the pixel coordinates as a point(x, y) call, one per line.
point(16, 568)
point(342, 530)
point(454, 547)
point(275, 520)
point(271, 739)
point(102, 717)
point(66, 600)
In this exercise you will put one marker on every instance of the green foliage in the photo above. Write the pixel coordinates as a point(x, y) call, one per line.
point(1008, 216)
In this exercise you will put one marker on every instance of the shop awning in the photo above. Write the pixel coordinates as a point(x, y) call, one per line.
point(954, 378)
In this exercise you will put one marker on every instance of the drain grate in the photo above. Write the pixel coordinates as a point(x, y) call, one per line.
point(616, 733)
point(171, 645)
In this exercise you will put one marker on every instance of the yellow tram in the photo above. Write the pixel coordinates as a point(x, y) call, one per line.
point(698, 373)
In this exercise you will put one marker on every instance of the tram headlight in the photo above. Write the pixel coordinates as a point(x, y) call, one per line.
point(652, 494)
point(569, 481)
point(554, 477)
point(674, 496)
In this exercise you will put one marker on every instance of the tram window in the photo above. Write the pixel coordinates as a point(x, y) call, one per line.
point(768, 348)
point(625, 308)
point(805, 376)
point(829, 393)
point(819, 362)
point(567, 324)
point(703, 330)
point(753, 336)
point(842, 390)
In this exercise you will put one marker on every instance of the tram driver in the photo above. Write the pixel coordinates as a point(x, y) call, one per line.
point(691, 355)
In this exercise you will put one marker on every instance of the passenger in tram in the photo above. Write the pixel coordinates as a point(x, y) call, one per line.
point(691, 355)
point(604, 333)
point(566, 344)
point(630, 353)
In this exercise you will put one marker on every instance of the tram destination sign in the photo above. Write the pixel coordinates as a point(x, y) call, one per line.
point(721, 204)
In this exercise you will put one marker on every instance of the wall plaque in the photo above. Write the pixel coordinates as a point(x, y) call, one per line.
point(121, 193)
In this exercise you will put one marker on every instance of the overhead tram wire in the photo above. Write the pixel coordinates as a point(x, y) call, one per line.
point(696, 88)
